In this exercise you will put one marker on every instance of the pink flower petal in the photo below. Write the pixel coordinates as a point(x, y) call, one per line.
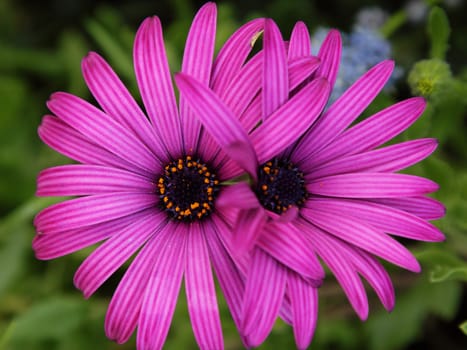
point(304, 301)
point(197, 62)
point(86, 211)
point(387, 159)
point(286, 124)
point(103, 130)
point(299, 44)
point(337, 260)
point(162, 290)
point(371, 185)
point(300, 69)
point(238, 195)
point(155, 84)
point(229, 277)
point(67, 141)
point(382, 217)
point(372, 132)
point(265, 286)
point(219, 121)
point(200, 291)
point(345, 110)
point(124, 309)
point(79, 179)
point(248, 227)
point(112, 254)
point(286, 243)
point(275, 73)
point(330, 56)
point(372, 270)
point(357, 232)
point(233, 54)
point(116, 101)
point(48, 247)
point(424, 207)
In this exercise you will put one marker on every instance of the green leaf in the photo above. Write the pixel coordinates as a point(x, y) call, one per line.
point(463, 327)
point(404, 324)
point(439, 31)
point(50, 319)
point(444, 265)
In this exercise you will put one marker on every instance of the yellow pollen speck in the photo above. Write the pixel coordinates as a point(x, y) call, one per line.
point(194, 205)
point(209, 190)
point(207, 174)
point(161, 180)
point(173, 169)
point(177, 209)
point(166, 199)
point(169, 205)
point(264, 187)
point(162, 190)
point(180, 166)
point(267, 169)
point(206, 181)
point(188, 157)
point(216, 182)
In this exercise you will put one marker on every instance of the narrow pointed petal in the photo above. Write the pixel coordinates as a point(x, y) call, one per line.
point(108, 257)
point(287, 244)
point(290, 121)
point(229, 277)
point(48, 247)
point(360, 234)
point(372, 132)
point(346, 109)
point(219, 122)
point(304, 302)
point(161, 293)
point(79, 179)
point(155, 83)
point(103, 130)
point(244, 86)
point(87, 211)
point(116, 101)
point(275, 73)
point(337, 260)
point(372, 270)
point(299, 44)
point(233, 54)
point(372, 185)
point(300, 69)
point(248, 228)
point(241, 95)
point(69, 142)
point(424, 207)
point(330, 56)
point(239, 195)
point(124, 308)
point(387, 159)
point(385, 218)
point(265, 286)
point(200, 291)
point(197, 62)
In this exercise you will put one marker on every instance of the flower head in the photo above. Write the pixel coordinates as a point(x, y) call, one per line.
point(148, 186)
point(322, 186)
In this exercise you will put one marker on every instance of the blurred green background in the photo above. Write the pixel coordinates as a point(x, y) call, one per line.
point(41, 46)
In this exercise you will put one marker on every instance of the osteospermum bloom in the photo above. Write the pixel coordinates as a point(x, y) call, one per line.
point(333, 191)
point(149, 186)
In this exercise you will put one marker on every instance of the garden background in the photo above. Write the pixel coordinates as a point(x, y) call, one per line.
point(41, 46)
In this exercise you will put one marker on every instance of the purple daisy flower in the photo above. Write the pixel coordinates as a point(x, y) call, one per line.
point(150, 187)
point(333, 191)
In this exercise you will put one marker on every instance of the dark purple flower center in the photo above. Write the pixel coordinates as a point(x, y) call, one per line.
point(281, 185)
point(187, 189)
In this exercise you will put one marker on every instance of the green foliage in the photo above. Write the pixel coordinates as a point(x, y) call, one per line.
point(438, 30)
